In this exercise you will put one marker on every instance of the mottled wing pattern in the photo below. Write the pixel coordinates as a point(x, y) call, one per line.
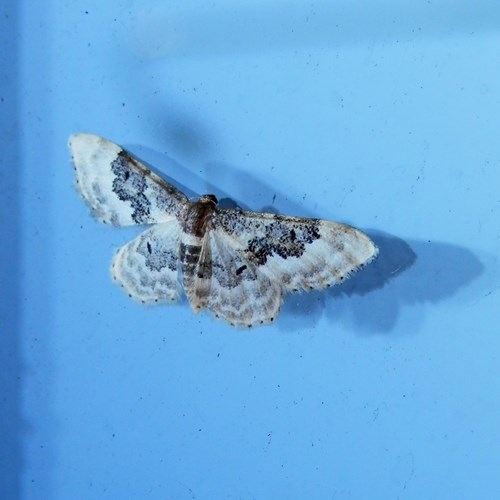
point(237, 264)
point(295, 253)
point(120, 189)
point(147, 267)
point(240, 291)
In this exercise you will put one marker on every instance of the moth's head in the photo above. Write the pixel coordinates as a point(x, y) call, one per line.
point(209, 198)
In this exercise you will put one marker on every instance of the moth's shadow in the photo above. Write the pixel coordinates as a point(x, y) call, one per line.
point(395, 257)
point(194, 185)
point(405, 273)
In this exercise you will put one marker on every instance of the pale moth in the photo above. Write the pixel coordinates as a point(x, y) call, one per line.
point(235, 263)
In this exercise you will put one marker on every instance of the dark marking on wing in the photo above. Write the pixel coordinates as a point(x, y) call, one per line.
point(240, 269)
point(157, 257)
point(283, 237)
point(144, 190)
point(130, 186)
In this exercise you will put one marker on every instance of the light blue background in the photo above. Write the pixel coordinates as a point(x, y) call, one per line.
point(382, 114)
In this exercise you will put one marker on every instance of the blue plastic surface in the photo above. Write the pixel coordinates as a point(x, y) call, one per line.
point(381, 114)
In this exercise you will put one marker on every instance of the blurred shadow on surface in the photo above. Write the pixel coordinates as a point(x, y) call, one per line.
point(11, 423)
point(405, 273)
point(186, 133)
point(395, 257)
point(237, 28)
point(165, 167)
point(194, 185)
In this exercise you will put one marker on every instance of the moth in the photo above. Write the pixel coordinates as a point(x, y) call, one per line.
point(235, 263)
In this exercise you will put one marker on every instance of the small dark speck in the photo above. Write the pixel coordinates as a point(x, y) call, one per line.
point(2, 99)
point(123, 104)
point(86, 12)
point(218, 354)
point(150, 250)
point(274, 197)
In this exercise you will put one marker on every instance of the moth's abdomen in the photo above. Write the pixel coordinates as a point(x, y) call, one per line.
point(194, 254)
point(189, 255)
point(196, 270)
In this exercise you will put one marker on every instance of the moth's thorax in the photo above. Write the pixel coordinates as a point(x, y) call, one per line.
point(199, 215)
